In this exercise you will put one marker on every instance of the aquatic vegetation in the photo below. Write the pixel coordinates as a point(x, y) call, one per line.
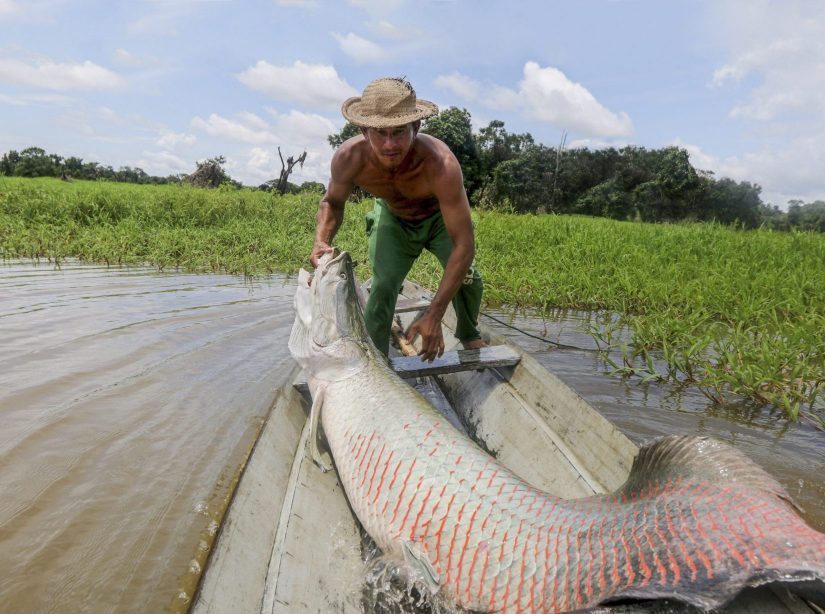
point(734, 312)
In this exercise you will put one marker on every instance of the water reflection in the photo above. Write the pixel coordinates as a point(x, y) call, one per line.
point(128, 400)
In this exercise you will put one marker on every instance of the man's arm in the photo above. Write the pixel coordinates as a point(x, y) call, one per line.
point(331, 208)
point(448, 187)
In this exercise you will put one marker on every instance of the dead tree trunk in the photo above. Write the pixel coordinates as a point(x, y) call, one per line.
point(286, 169)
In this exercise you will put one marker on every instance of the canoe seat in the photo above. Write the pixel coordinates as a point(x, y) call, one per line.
point(408, 367)
point(458, 360)
point(405, 305)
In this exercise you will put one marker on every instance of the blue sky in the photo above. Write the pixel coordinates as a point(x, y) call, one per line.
point(160, 84)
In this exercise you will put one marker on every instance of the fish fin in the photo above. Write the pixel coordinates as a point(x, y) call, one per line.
point(417, 560)
point(324, 461)
point(671, 458)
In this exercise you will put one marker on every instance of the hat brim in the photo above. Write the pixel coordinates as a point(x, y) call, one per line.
point(352, 111)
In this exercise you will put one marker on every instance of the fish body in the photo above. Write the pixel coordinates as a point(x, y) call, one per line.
point(696, 520)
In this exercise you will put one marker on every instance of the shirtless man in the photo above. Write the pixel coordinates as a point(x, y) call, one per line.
point(420, 204)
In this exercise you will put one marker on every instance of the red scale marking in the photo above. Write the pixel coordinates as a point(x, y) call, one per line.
point(375, 467)
point(740, 557)
point(410, 505)
point(630, 575)
point(363, 458)
point(588, 589)
point(657, 562)
point(495, 578)
point(577, 578)
point(510, 567)
point(717, 555)
point(441, 528)
point(527, 541)
point(361, 441)
point(403, 489)
point(394, 476)
point(696, 548)
point(547, 532)
point(600, 541)
point(674, 564)
point(617, 579)
point(456, 527)
point(418, 516)
point(482, 577)
point(463, 552)
point(647, 573)
point(381, 480)
point(476, 551)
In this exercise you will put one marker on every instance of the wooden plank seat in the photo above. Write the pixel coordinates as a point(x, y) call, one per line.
point(450, 362)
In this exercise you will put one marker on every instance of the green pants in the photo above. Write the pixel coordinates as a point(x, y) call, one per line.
point(394, 245)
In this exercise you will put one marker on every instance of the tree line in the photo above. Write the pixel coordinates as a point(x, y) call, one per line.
point(210, 173)
point(511, 172)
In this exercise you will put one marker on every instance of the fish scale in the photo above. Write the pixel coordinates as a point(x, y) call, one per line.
point(696, 520)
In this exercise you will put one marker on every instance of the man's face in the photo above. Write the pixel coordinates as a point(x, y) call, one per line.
point(391, 145)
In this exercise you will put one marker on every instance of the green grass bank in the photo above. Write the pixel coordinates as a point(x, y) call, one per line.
point(736, 313)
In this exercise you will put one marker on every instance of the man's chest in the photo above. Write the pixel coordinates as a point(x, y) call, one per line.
point(402, 188)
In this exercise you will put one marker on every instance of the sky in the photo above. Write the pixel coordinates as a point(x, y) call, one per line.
point(162, 84)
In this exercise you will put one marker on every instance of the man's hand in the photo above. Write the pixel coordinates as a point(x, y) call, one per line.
point(432, 339)
point(318, 250)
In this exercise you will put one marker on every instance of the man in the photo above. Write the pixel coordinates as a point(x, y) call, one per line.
point(421, 204)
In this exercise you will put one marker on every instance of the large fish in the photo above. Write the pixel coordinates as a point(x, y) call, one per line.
point(696, 521)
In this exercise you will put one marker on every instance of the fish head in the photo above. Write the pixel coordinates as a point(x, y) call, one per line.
point(329, 338)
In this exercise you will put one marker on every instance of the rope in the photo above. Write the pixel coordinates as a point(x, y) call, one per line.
point(544, 339)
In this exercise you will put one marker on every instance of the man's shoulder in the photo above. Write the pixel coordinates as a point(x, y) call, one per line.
point(350, 156)
point(436, 155)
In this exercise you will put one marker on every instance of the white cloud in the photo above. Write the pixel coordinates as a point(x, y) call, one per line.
point(780, 45)
point(553, 98)
point(361, 50)
point(460, 85)
point(58, 76)
point(547, 95)
point(314, 85)
point(170, 140)
point(36, 99)
point(297, 3)
point(234, 130)
point(294, 128)
point(131, 60)
point(382, 7)
point(387, 29)
point(776, 69)
point(8, 7)
point(164, 163)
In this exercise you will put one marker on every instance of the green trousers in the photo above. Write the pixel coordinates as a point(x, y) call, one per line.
point(394, 245)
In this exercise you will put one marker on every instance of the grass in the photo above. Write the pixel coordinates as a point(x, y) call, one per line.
point(736, 313)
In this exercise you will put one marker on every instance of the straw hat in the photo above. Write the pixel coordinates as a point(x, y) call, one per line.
point(387, 103)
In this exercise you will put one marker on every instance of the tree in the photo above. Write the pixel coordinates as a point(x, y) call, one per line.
point(286, 170)
point(347, 132)
point(809, 216)
point(34, 162)
point(8, 163)
point(730, 202)
point(453, 126)
point(523, 183)
point(209, 174)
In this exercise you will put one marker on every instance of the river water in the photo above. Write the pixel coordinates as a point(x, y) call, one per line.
point(129, 400)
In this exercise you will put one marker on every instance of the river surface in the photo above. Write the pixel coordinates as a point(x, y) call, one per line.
point(129, 400)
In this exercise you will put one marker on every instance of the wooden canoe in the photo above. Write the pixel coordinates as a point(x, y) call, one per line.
point(290, 543)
